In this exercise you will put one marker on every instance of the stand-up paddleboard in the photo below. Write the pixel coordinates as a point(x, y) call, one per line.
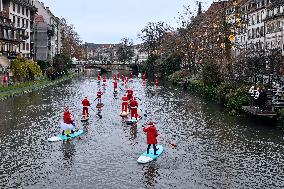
point(64, 137)
point(100, 105)
point(132, 121)
point(145, 158)
point(85, 118)
point(124, 114)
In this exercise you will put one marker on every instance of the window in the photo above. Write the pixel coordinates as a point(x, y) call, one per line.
point(14, 19)
point(19, 9)
point(23, 10)
point(23, 23)
point(14, 7)
point(28, 46)
point(27, 23)
point(27, 12)
point(24, 46)
point(18, 22)
point(262, 31)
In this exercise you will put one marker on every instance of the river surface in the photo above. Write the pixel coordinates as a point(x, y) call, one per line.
point(213, 150)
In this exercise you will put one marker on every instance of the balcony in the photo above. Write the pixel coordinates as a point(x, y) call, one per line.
point(24, 37)
point(274, 16)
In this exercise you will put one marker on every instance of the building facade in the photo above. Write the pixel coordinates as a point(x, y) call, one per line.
point(21, 13)
point(261, 26)
point(47, 33)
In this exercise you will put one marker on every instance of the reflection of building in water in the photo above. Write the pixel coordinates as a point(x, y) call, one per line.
point(150, 174)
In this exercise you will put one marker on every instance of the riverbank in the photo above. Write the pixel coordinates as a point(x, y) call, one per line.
point(23, 88)
point(232, 95)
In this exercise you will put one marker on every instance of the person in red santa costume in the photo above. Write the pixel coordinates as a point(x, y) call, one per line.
point(133, 108)
point(86, 104)
point(152, 134)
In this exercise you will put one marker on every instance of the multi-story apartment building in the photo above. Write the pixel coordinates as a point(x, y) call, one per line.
point(274, 24)
point(261, 27)
point(47, 33)
point(21, 13)
point(256, 28)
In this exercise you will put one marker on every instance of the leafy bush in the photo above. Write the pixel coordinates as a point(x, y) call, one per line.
point(42, 64)
point(211, 75)
point(179, 76)
point(170, 64)
point(235, 99)
point(26, 70)
point(61, 63)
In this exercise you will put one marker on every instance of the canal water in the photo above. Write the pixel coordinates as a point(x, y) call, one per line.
point(213, 150)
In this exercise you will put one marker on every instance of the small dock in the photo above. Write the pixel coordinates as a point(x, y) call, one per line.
point(259, 112)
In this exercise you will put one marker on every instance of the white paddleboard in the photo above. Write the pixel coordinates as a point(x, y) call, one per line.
point(146, 158)
point(124, 114)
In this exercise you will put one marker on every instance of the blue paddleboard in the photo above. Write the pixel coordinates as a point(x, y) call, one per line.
point(145, 158)
point(64, 137)
point(132, 121)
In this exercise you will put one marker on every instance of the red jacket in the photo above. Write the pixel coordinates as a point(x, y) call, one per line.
point(115, 84)
point(129, 93)
point(99, 94)
point(124, 99)
point(5, 79)
point(133, 103)
point(99, 77)
point(152, 134)
point(67, 117)
point(86, 102)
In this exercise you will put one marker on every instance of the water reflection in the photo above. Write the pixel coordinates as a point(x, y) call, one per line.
point(133, 134)
point(151, 173)
point(68, 150)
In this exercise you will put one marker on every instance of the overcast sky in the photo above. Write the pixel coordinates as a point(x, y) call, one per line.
point(107, 21)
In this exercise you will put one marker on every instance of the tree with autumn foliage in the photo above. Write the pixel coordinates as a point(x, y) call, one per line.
point(152, 35)
point(25, 70)
point(71, 43)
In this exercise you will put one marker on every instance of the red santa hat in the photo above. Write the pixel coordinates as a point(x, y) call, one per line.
point(151, 123)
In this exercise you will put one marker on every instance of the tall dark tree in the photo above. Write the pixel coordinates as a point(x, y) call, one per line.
point(152, 36)
point(61, 62)
point(125, 50)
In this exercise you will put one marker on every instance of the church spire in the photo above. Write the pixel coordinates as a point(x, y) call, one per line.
point(199, 8)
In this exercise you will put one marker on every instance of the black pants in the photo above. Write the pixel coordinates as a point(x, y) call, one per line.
point(154, 146)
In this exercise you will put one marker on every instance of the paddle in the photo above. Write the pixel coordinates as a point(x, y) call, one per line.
point(92, 108)
point(169, 142)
